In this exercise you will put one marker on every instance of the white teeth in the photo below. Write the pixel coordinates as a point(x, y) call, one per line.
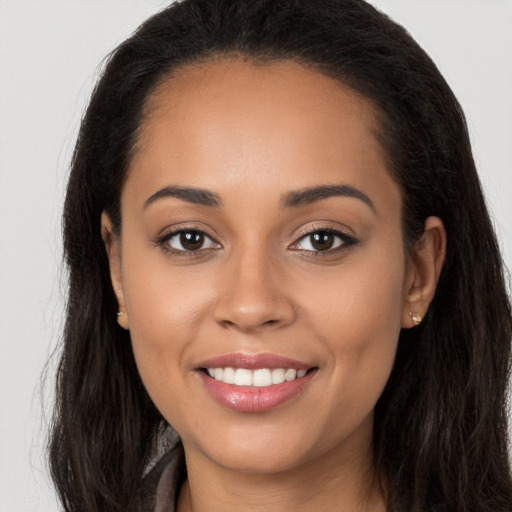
point(290, 374)
point(229, 376)
point(278, 376)
point(243, 377)
point(261, 377)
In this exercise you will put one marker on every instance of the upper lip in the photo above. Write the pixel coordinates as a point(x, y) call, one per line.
point(254, 362)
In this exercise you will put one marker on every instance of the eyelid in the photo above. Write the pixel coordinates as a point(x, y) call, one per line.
point(173, 231)
point(328, 226)
point(345, 234)
point(348, 239)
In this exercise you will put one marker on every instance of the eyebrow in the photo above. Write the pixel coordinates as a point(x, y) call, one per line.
point(310, 195)
point(190, 194)
point(292, 199)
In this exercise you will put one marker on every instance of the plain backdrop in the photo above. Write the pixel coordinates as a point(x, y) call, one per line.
point(50, 53)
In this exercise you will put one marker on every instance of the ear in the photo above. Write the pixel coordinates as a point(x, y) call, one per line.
point(112, 246)
point(426, 262)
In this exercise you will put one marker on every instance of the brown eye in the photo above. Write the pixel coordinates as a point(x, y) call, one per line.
point(190, 241)
point(324, 240)
point(321, 241)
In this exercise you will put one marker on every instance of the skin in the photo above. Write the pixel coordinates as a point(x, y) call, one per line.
point(252, 134)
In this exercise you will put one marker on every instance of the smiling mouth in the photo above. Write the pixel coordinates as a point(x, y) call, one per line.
point(261, 377)
point(254, 384)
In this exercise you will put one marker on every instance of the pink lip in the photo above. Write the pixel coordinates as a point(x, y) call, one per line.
point(250, 398)
point(254, 361)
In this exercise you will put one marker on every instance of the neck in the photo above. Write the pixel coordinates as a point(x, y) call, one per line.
point(338, 480)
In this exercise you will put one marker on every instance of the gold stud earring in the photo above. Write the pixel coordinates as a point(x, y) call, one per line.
point(122, 320)
point(415, 318)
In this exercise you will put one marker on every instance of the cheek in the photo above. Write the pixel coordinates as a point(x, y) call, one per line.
point(166, 308)
point(359, 320)
point(371, 290)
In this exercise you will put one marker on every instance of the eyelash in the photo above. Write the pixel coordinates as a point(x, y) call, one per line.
point(166, 237)
point(346, 241)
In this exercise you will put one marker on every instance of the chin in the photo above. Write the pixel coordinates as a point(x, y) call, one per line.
point(256, 461)
point(269, 451)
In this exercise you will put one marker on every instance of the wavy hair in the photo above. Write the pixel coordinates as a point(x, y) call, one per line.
point(440, 432)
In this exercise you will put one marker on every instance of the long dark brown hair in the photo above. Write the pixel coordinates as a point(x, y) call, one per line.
point(440, 433)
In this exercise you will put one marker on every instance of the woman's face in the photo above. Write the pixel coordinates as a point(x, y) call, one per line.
point(261, 236)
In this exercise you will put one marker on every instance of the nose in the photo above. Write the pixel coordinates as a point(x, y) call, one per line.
point(253, 295)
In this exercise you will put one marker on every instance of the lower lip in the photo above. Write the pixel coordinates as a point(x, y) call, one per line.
point(251, 398)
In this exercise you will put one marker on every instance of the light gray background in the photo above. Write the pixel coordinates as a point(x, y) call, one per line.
point(49, 55)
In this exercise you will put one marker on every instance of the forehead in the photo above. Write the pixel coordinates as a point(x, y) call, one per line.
point(223, 121)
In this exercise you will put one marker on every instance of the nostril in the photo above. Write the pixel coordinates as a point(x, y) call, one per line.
point(245, 325)
point(246, 316)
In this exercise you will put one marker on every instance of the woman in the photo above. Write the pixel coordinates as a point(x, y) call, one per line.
point(278, 204)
